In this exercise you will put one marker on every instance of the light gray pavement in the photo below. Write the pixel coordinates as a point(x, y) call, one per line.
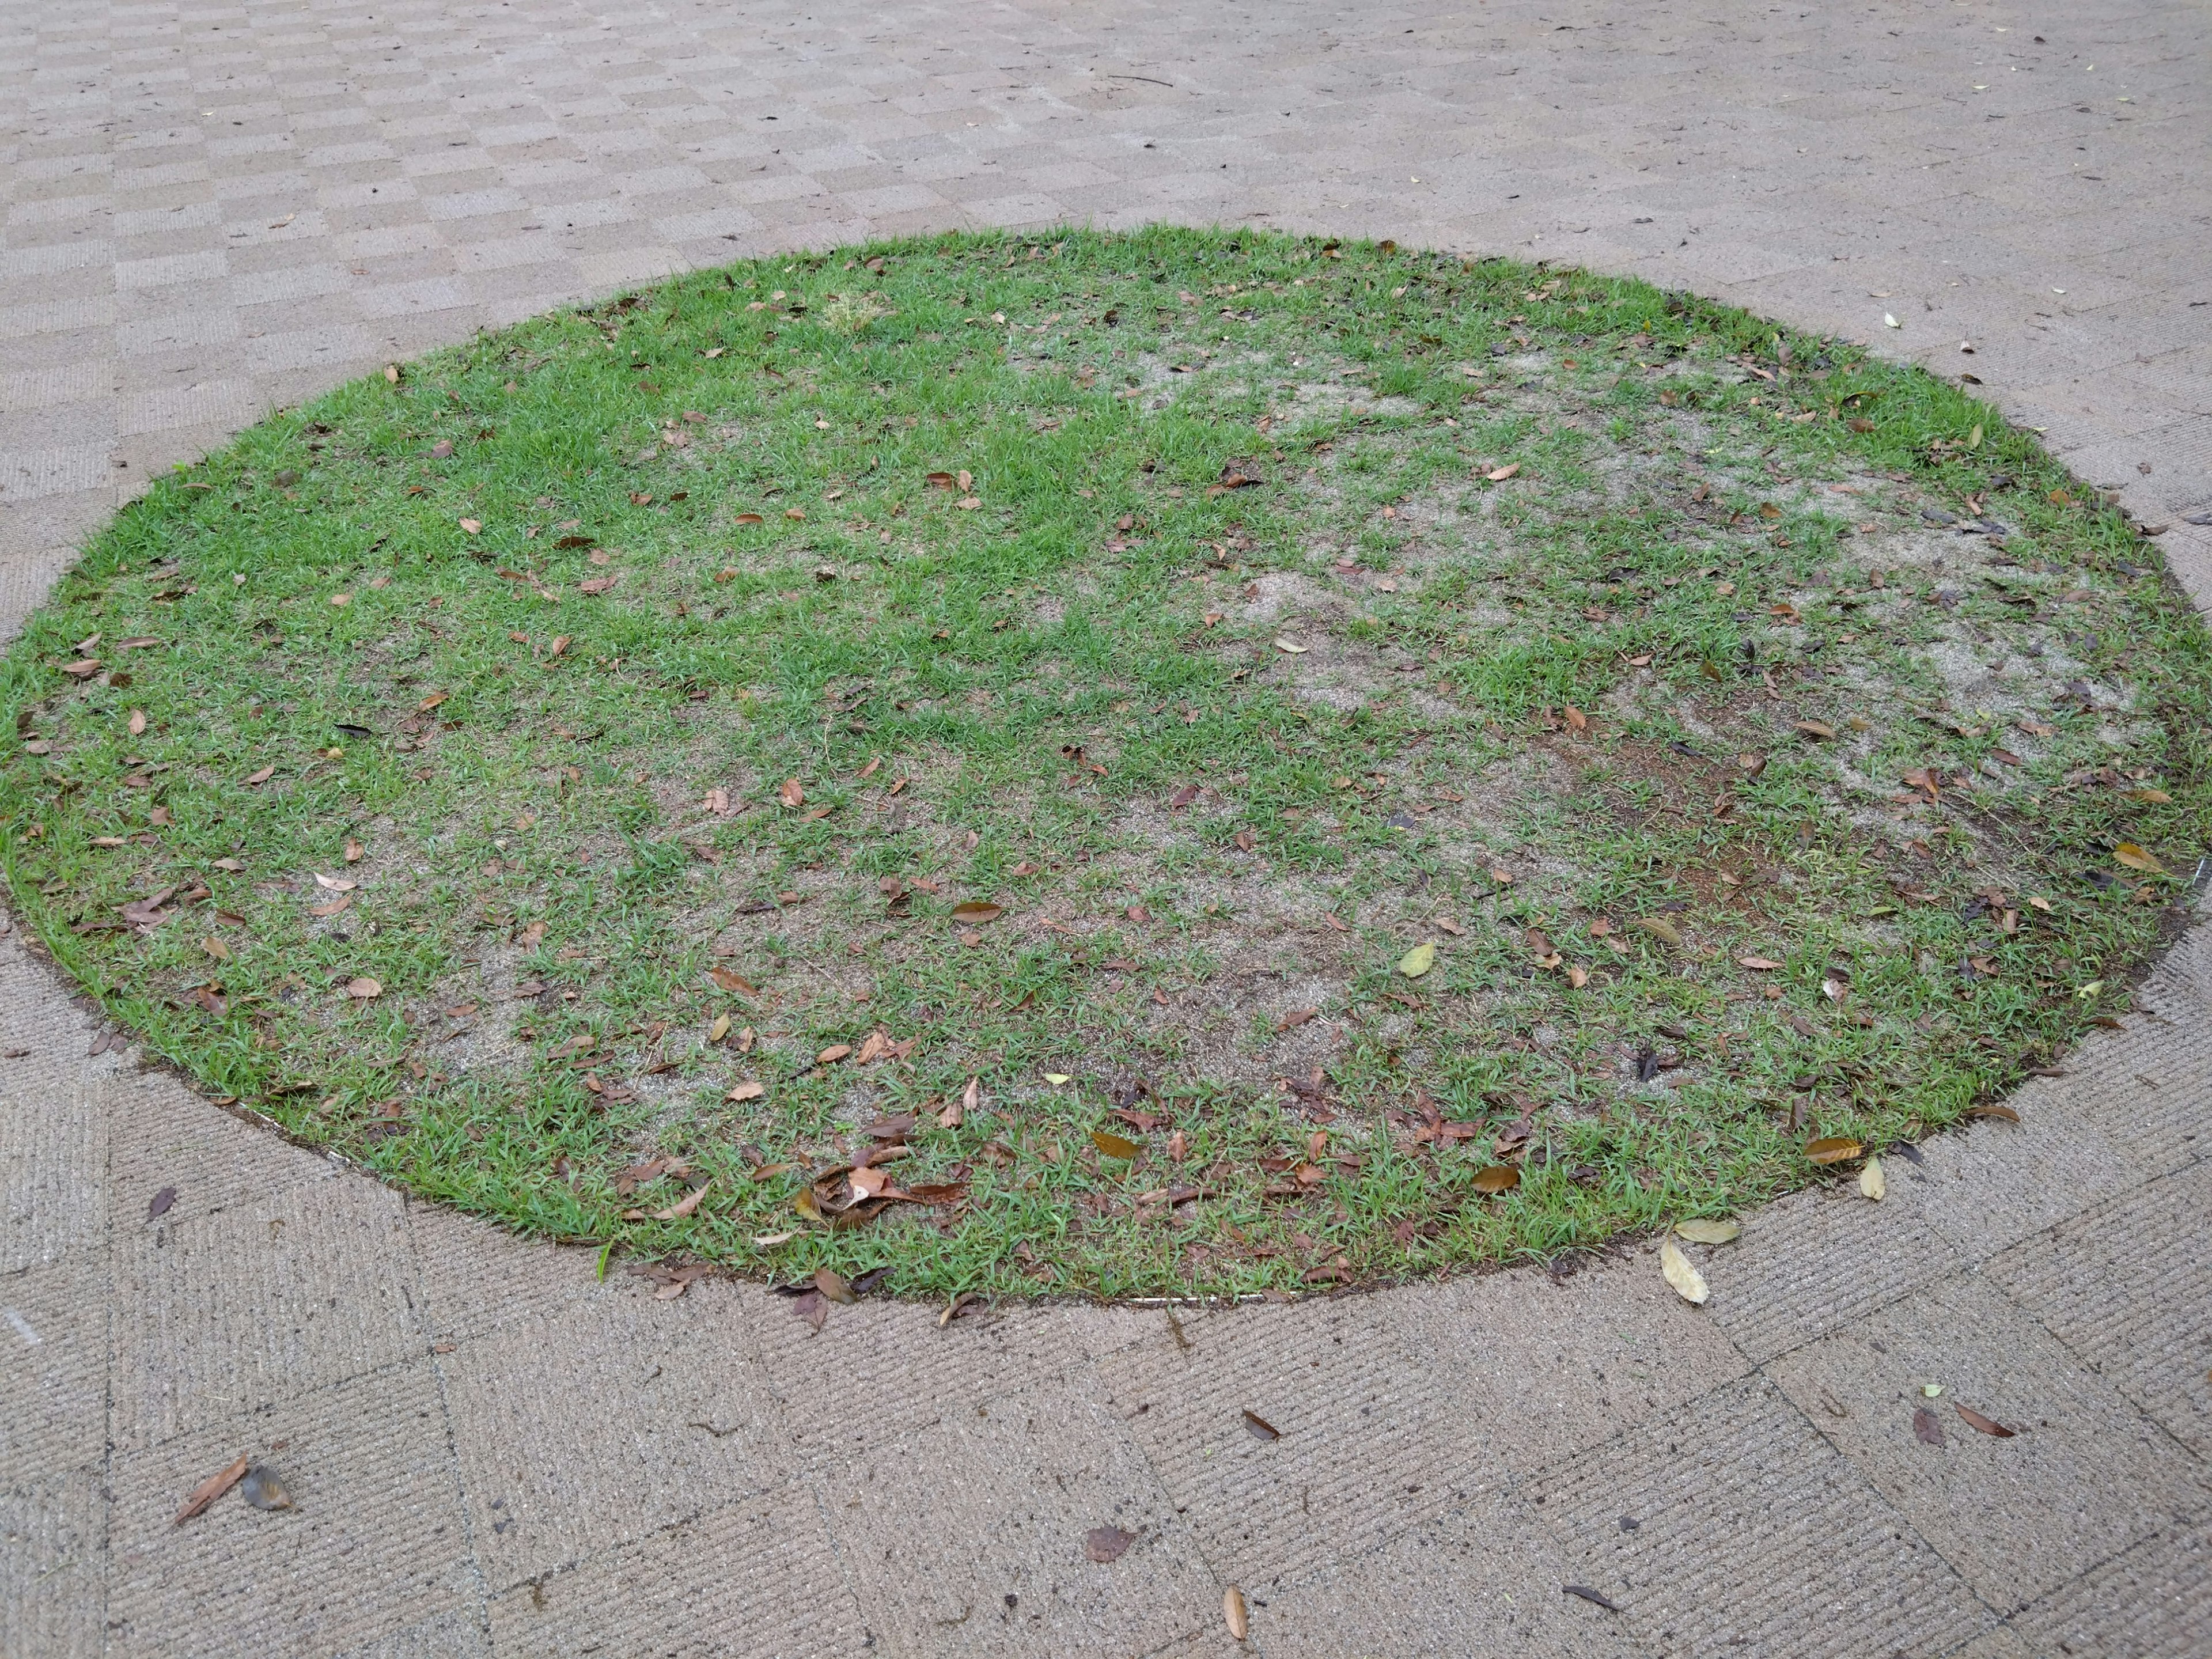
point(214, 208)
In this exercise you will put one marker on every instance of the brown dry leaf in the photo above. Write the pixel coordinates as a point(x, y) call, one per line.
point(976, 913)
point(1112, 1145)
point(1996, 1109)
point(683, 1206)
point(2134, 857)
point(1982, 1425)
point(1661, 929)
point(330, 909)
point(1577, 718)
point(833, 1285)
point(1233, 1609)
point(729, 981)
point(82, 667)
point(748, 518)
point(210, 1489)
point(719, 1029)
point(137, 722)
point(1497, 1178)
point(255, 779)
point(336, 883)
point(364, 988)
point(1762, 963)
point(956, 1111)
point(749, 1090)
point(1500, 474)
point(1927, 1427)
point(1815, 728)
point(1833, 1149)
point(215, 948)
point(791, 794)
point(833, 1053)
point(1105, 1544)
point(1704, 1230)
point(1681, 1273)
point(472, 526)
point(1295, 1017)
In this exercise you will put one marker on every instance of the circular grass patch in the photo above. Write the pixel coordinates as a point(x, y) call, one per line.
point(1123, 763)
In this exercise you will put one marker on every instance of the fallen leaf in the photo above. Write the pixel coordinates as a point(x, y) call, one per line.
point(1661, 929)
point(1105, 1544)
point(472, 525)
point(2134, 857)
point(791, 794)
point(1058, 1079)
point(1763, 963)
point(1496, 1178)
point(1285, 643)
point(336, 883)
point(1833, 1149)
point(749, 1090)
point(159, 1204)
point(263, 1489)
point(1872, 1182)
point(364, 988)
point(1982, 1425)
point(729, 981)
point(719, 1029)
point(215, 948)
point(256, 779)
point(1596, 1597)
point(210, 1489)
point(1259, 1427)
point(833, 1053)
point(833, 1285)
point(956, 1112)
point(137, 722)
point(1681, 1273)
point(1815, 728)
point(1112, 1145)
point(1701, 1230)
point(976, 913)
point(1927, 1427)
point(1418, 961)
point(1233, 1609)
point(1500, 474)
point(683, 1206)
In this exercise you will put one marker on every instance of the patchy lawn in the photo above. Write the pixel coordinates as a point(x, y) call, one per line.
point(1120, 764)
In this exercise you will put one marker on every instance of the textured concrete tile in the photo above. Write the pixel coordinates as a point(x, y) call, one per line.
point(968, 1537)
point(2083, 1477)
point(1372, 1439)
point(788, 1601)
point(1557, 1366)
point(2128, 1288)
point(595, 1425)
point(1731, 1526)
point(227, 1309)
point(53, 1565)
point(54, 1140)
point(881, 1370)
point(1480, 1581)
point(2153, 1602)
point(374, 1544)
point(1811, 1262)
point(458, 1632)
point(473, 1275)
point(53, 1368)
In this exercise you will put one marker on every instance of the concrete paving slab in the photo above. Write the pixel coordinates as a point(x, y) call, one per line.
point(376, 1541)
point(1558, 1365)
point(2128, 1288)
point(53, 1370)
point(1481, 1581)
point(1731, 1526)
point(53, 1565)
point(1371, 1440)
point(2153, 1602)
point(2083, 1476)
point(754, 1580)
point(616, 1417)
point(968, 1537)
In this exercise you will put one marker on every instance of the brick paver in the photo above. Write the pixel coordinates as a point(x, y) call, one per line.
point(211, 208)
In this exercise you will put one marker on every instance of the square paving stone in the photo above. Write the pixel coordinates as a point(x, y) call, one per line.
point(2153, 1602)
point(2128, 1287)
point(613, 1419)
point(1730, 1527)
point(1372, 1439)
point(1486, 1580)
point(53, 1370)
point(969, 1537)
point(1556, 1365)
point(756, 1580)
point(2084, 1476)
point(266, 1297)
point(53, 1565)
point(376, 1542)
point(472, 1275)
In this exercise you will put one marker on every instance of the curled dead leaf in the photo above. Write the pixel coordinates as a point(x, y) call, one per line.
point(364, 988)
point(262, 1488)
point(1982, 1425)
point(1496, 1178)
point(210, 1489)
point(1259, 1427)
point(1833, 1149)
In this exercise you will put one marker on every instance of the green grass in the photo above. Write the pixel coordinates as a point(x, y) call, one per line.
point(621, 695)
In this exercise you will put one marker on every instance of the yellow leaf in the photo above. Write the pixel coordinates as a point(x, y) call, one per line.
point(2134, 857)
point(1871, 1181)
point(1290, 646)
point(1058, 1078)
point(1661, 929)
point(1418, 961)
point(1702, 1230)
point(1497, 1178)
point(719, 1029)
point(1681, 1273)
point(215, 948)
point(1233, 1609)
point(1113, 1145)
point(1833, 1149)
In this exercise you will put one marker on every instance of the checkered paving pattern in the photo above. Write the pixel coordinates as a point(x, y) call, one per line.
point(210, 209)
